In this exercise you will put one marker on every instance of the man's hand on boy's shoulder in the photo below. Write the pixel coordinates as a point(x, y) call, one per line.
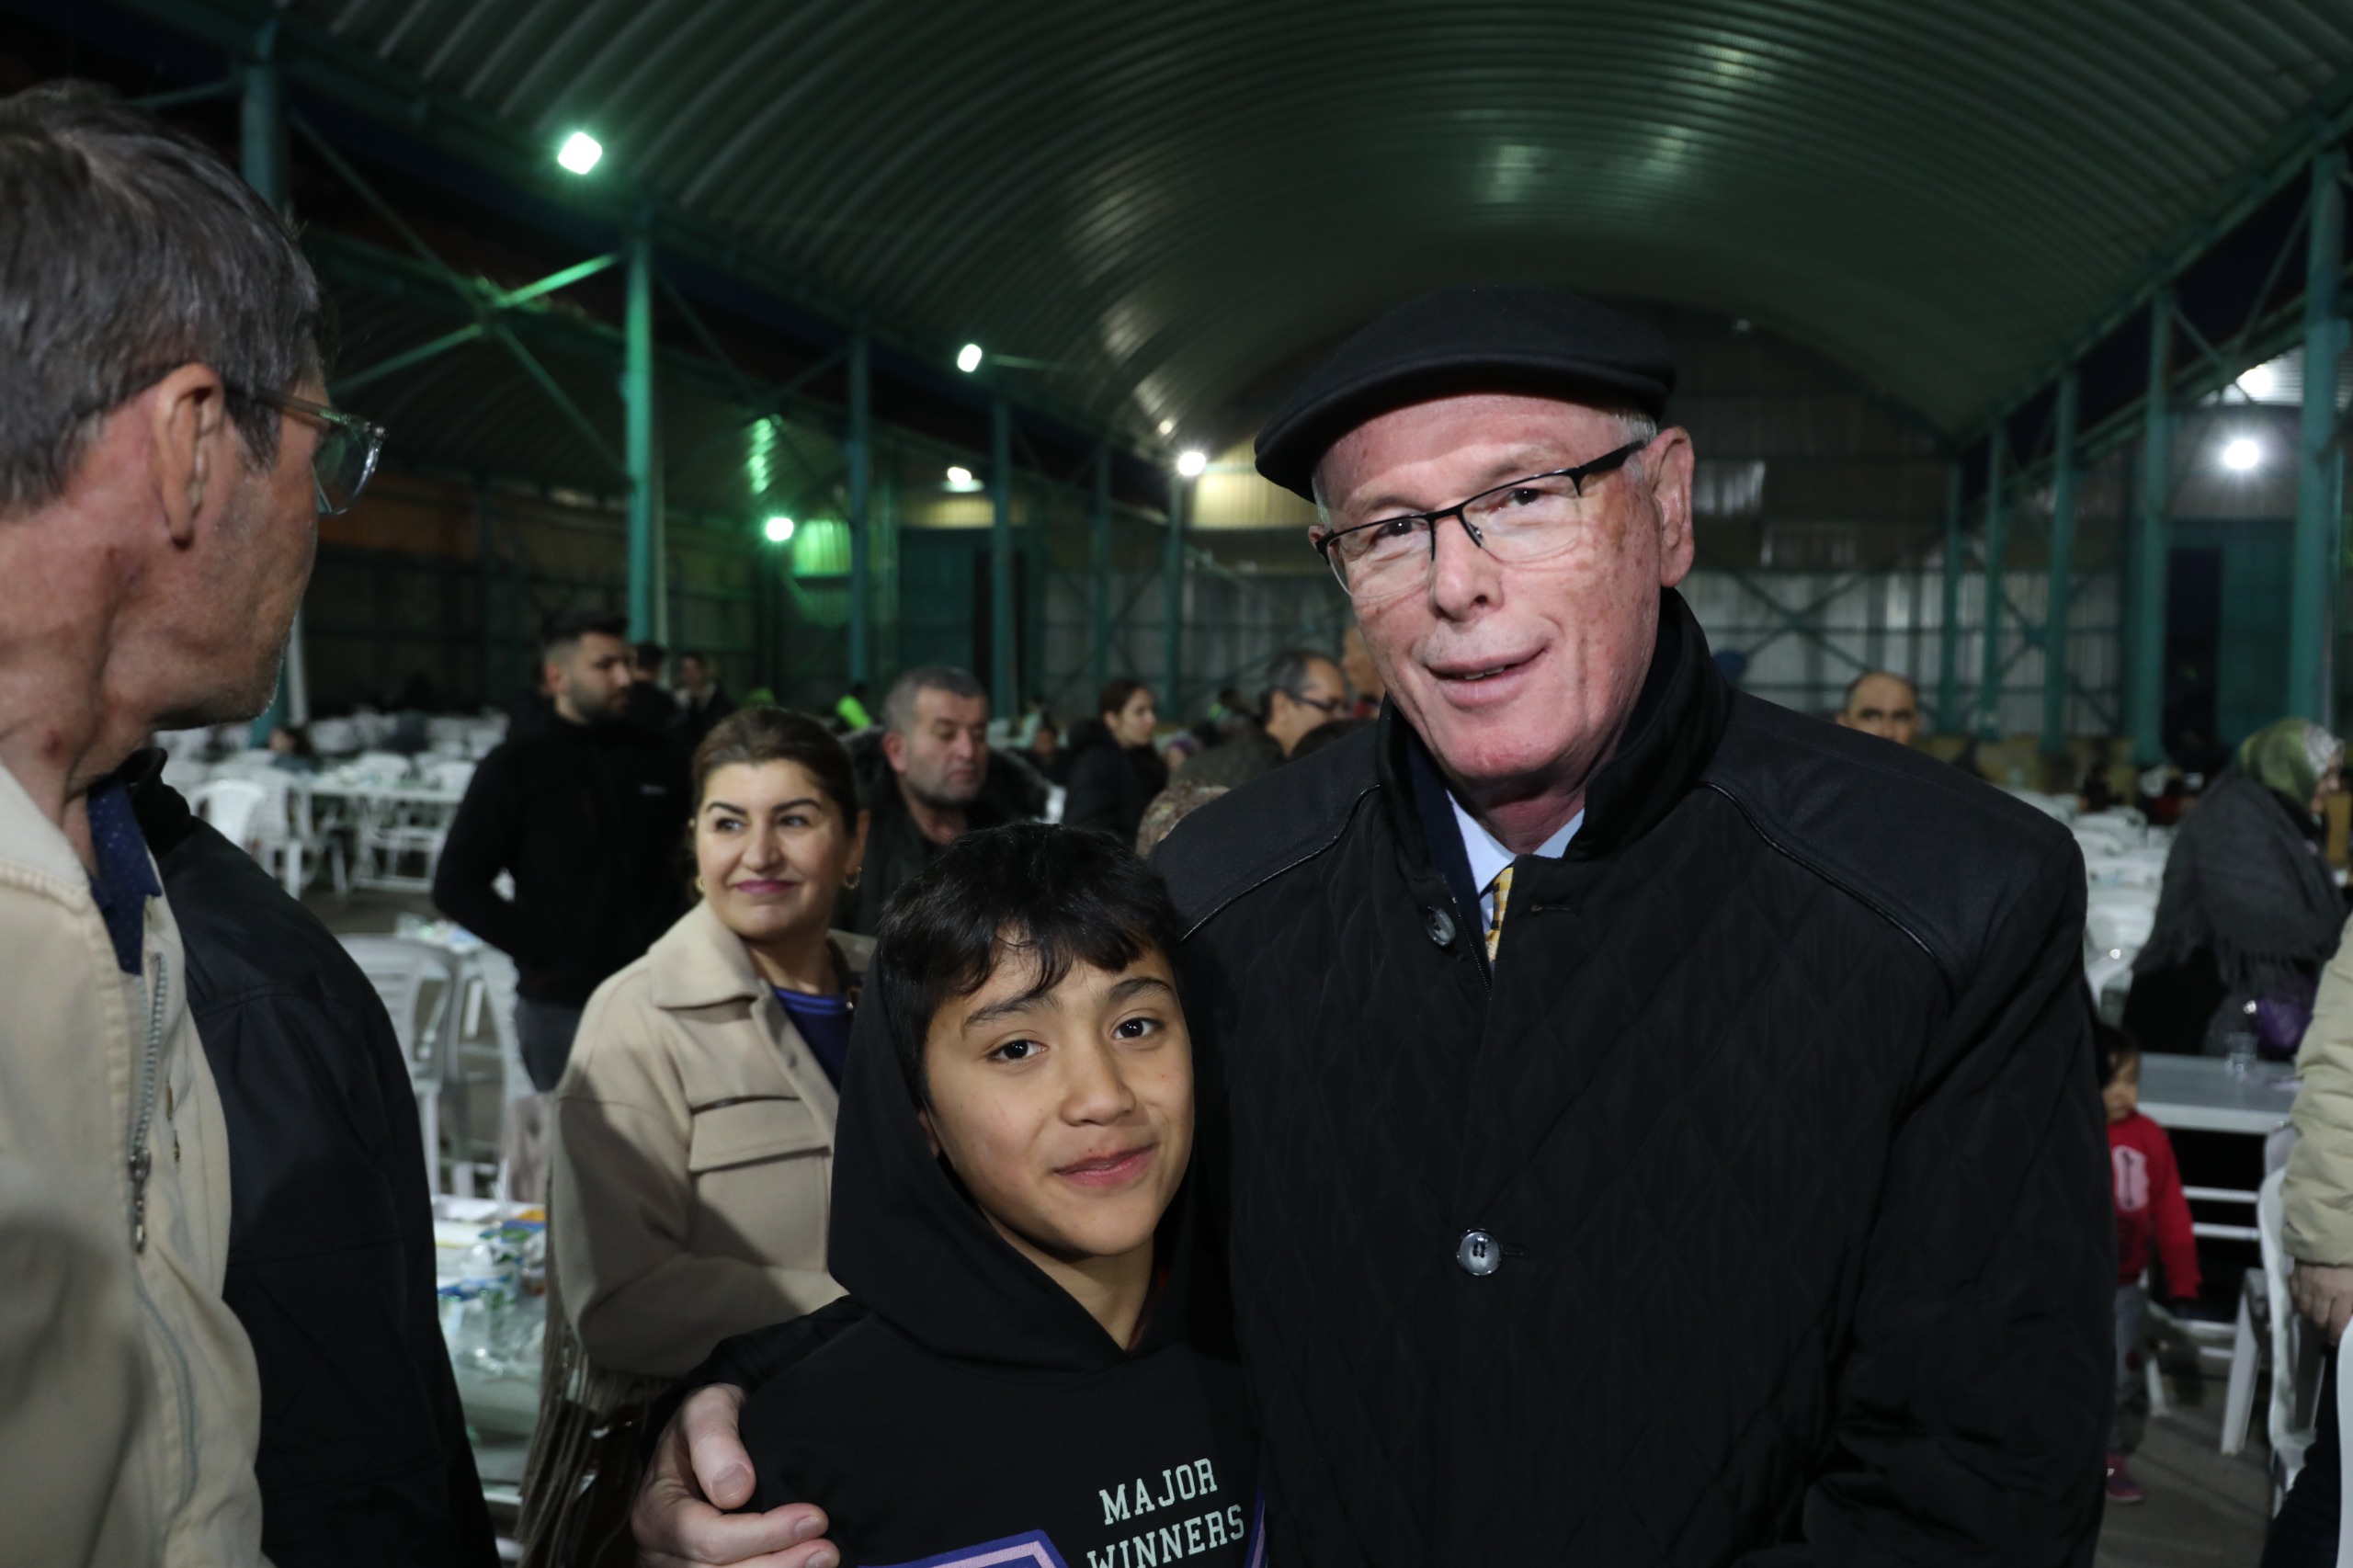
point(698, 1470)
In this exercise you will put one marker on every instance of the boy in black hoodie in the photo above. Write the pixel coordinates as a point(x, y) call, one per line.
point(1015, 1377)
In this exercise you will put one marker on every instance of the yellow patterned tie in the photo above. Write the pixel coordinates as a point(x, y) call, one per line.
point(1501, 886)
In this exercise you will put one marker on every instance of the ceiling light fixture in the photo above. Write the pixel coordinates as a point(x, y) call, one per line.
point(1191, 464)
point(2242, 455)
point(968, 358)
point(1168, 427)
point(580, 152)
point(779, 529)
point(959, 476)
point(2259, 382)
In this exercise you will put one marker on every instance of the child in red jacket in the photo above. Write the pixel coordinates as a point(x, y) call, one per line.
point(2152, 1214)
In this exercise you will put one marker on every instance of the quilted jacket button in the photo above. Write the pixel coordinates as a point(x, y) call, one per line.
point(1479, 1253)
point(1441, 925)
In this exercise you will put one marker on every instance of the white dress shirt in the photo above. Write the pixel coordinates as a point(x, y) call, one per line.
point(1488, 856)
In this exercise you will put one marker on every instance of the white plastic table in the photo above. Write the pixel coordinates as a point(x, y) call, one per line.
point(2200, 1094)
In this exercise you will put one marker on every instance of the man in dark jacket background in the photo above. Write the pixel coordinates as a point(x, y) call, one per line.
point(364, 1461)
point(928, 776)
point(589, 817)
point(1704, 1164)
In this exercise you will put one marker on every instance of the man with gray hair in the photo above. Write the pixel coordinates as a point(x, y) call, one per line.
point(928, 776)
point(1305, 688)
point(163, 451)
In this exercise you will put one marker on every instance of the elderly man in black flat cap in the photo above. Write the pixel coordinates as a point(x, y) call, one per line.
point(1710, 1169)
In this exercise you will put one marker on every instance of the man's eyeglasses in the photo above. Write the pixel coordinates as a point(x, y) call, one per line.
point(1321, 704)
point(1526, 521)
point(345, 456)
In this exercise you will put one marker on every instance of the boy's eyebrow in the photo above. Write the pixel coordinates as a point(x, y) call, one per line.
point(996, 1012)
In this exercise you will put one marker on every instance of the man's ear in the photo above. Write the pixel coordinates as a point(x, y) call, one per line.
point(894, 750)
point(188, 415)
point(1667, 466)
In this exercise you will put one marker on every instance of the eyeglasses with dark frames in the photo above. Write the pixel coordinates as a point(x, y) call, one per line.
point(1525, 520)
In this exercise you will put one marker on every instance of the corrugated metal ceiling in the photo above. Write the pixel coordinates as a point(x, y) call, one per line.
point(1170, 204)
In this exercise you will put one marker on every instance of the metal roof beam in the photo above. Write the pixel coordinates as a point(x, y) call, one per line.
point(356, 79)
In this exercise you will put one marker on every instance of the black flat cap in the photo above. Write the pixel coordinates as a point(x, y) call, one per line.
point(1511, 337)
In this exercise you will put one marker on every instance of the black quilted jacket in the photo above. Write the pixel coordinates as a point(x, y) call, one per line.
point(1778, 1106)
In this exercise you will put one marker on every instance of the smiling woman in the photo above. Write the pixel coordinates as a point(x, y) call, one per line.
point(694, 1128)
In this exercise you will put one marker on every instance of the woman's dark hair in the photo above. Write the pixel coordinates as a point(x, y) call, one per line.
point(1049, 896)
point(1116, 694)
point(754, 735)
point(2117, 1049)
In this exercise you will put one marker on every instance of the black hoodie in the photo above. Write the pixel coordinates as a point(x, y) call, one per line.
point(972, 1411)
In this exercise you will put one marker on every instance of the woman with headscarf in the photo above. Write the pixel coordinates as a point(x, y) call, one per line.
point(2249, 911)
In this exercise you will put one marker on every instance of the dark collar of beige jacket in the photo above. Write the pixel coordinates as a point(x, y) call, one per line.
point(700, 971)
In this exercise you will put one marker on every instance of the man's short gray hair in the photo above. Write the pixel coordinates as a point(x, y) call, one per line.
point(899, 704)
point(128, 251)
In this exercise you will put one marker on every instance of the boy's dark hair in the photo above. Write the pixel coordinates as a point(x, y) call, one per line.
point(1056, 896)
point(564, 632)
point(2116, 1050)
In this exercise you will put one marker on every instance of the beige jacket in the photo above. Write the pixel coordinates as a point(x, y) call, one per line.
point(693, 1156)
point(2317, 1196)
point(132, 1408)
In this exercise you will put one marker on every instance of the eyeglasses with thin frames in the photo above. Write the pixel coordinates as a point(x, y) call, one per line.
point(344, 458)
point(1522, 521)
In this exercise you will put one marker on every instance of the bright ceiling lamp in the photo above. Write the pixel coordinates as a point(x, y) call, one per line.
point(580, 152)
point(779, 529)
point(1191, 464)
point(1168, 427)
point(961, 477)
point(968, 358)
point(2243, 454)
point(2259, 382)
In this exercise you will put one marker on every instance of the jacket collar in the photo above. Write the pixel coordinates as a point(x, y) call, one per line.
point(1678, 717)
point(699, 963)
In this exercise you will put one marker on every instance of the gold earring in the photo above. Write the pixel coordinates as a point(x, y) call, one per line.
point(850, 881)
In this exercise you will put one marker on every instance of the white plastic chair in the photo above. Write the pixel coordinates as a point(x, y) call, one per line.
point(2292, 1353)
point(418, 987)
point(235, 807)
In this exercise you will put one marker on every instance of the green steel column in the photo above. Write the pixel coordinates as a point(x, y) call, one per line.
point(647, 606)
point(2150, 550)
point(1171, 584)
point(1005, 696)
point(1989, 680)
point(261, 123)
point(858, 451)
point(2320, 464)
point(2063, 563)
point(1949, 716)
point(1098, 572)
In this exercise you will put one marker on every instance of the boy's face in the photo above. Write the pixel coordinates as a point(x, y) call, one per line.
point(2123, 1096)
point(1069, 1115)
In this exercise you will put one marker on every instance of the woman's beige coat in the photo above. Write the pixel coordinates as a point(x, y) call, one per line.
point(2316, 1198)
point(693, 1156)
